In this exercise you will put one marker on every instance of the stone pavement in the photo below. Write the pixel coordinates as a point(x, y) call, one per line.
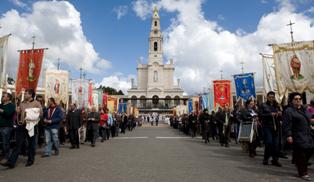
point(150, 154)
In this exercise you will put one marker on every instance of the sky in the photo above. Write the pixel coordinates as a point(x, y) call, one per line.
point(106, 38)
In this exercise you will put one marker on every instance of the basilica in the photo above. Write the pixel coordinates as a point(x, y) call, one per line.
point(155, 88)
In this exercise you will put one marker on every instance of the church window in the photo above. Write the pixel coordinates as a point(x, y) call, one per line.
point(155, 76)
point(155, 46)
point(155, 23)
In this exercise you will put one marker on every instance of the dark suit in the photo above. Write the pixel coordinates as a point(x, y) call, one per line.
point(74, 122)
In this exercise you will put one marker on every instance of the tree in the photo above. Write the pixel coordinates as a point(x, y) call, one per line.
point(110, 90)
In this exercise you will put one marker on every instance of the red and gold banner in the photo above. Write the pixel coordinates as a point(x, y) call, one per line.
point(105, 100)
point(112, 104)
point(29, 69)
point(222, 93)
point(90, 94)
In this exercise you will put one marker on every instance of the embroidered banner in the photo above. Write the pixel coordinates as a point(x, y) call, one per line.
point(56, 85)
point(29, 69)
point(294, 68)
point(222, 93)
point(80, 92)
point(245, 87)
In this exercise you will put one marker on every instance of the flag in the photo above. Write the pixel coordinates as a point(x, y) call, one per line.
point(56, 85)
point(245, 87)
point(3, 58)
point(80, 92)
point(29, 69)
point(222, 93)
point(294, 68)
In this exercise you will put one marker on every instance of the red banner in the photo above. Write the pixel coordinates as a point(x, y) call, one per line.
point(29, 69)
point(105, 100)
point(222, 93)
point(90, 94)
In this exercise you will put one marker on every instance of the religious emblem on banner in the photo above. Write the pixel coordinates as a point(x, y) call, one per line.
point(56, 85)
point(294, 68)
point(222, 93)
point(80, 92)
point(29, 69)
point(245, 87)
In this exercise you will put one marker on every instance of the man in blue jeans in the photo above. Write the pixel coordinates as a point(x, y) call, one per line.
point(22, 134)
point(270, 116)
point(52, 118)
point(7, 111)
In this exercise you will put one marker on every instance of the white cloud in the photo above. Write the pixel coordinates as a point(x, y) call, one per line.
point(19, 3)
point(117, 81)
point(57, 26)
point(121, 11)
point(264, 1)
point(142, 8)
point(201, 48)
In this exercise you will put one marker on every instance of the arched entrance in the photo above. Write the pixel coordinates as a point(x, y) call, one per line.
point(134, 100)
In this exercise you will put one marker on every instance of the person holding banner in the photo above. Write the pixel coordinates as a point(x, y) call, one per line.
point(249, 117)
point(25, 130)
point(270, 116)
point(297, 128)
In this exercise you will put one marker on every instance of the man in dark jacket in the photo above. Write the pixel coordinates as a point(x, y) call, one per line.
point(7, 111)
point(74, 122)
point(93, 124)
point(52, 118)
point(270, 116)
point(205, 125)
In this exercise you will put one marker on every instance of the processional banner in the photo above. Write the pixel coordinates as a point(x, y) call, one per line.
point(56, 85)
point(294, 68)
point(204, 101)
point(112, 104)
point(222, 93)
point(3, 58)
point(190, 105)
point(95, 99)
point(80, 92)
point(90, 94)
point(122, 106)
point(29, 69)
point(245, 87)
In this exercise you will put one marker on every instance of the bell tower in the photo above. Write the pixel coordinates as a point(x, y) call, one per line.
point(155, 40)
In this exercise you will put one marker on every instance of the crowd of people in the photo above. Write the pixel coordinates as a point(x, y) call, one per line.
point(279, 129)
point(29, 125)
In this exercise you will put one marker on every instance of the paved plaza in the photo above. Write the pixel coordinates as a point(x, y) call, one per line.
point(151, 154)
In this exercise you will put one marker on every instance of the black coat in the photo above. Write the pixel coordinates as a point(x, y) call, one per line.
point(74, 119)
point(266, 117)
point(296, 123)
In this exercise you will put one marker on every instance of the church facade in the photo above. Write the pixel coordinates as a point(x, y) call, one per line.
point(155, 80)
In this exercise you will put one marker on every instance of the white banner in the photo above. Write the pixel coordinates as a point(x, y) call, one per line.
point(294, 67)
point(3, 58)
point(80, 92)
point(56, 85)
point(269, 79)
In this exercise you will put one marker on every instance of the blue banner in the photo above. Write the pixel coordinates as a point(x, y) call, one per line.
point(190, 106)
point(122, 107)
point(204, 101)
point(245, 87)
